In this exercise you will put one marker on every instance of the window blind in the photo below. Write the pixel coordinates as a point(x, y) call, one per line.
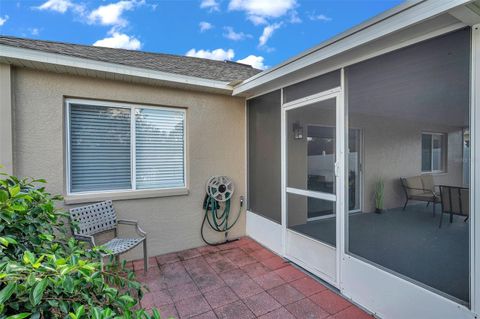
point(99, 148)
point(159, 145)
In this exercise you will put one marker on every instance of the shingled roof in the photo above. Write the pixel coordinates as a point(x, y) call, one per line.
point(226, 71)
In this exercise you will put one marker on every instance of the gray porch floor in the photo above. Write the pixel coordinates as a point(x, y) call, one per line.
point(410, 243)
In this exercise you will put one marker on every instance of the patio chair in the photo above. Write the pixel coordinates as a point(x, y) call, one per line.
point(101, 217)
point(455, 201)
point(420, 188)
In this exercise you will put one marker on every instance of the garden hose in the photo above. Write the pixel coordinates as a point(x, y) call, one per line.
point(219, 190)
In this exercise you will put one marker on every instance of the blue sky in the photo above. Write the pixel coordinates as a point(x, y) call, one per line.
point(258, 32)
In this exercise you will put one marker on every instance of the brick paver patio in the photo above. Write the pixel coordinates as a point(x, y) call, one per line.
point(238, 280)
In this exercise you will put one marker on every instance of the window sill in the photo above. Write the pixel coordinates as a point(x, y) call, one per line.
point(435, 173)
point(123, 195)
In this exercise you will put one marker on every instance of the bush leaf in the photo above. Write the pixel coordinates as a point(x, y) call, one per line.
point(7, 292)
point(19, 315)
point(3, 196)
point(37, 292)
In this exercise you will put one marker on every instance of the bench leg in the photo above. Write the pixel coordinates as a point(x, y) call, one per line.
point(145, 256)
point(405, 206)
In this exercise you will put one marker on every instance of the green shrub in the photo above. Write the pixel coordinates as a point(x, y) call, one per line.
point(44, 273)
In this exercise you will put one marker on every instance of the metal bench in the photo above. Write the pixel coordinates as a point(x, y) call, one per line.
point(455, 201)
point(101, 217)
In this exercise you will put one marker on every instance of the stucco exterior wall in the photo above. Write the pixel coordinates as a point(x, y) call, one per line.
point(6, 134)
point(215, 139)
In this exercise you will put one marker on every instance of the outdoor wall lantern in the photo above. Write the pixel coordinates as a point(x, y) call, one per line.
point(297, 131)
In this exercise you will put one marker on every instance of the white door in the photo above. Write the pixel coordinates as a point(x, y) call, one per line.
point(313, 140)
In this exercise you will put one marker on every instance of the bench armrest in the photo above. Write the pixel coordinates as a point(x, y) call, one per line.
point(139, 231)
point(422, 189)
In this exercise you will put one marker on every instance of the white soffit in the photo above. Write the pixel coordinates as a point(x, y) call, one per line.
point(84, 67)
point(395, 28)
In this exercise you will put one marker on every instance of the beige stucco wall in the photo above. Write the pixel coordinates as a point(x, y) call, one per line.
point(6, 134)
point(215, 137)
point(392, 149)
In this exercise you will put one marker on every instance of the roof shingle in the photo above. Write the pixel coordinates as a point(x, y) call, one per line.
point(225, 71)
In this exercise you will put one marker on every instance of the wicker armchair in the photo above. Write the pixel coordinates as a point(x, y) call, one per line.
point(101, 217)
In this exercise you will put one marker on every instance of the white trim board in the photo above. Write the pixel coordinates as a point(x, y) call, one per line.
point(475, 171)
point(13, 54)
point(314, 256)
point(266, 232)
point(401, 298)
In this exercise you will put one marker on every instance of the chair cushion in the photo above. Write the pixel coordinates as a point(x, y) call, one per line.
point(416, 183)
point(121, 245)
point(426, 197)
point(428, 183)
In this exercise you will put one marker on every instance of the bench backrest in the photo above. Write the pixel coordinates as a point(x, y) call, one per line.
point(95, 218)
point(455, 200)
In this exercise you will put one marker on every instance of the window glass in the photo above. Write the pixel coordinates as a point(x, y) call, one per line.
point(437, 152)
point(433, 152)
point(159, 148)
point(101, 150)
point(426, 152)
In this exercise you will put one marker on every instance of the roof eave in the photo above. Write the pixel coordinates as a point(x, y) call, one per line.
point(398, 18)
point(22, 56)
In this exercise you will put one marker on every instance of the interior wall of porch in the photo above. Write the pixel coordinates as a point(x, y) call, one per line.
point(391, 149)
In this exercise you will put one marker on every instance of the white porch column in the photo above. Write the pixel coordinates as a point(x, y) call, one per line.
point(6, 110)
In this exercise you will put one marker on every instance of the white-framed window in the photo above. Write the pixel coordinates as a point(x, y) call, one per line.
point(434, 150)
point(124, 147)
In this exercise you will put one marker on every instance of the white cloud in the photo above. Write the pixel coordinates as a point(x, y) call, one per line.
point(217, 54)
point(235, 36)
point(319, 17)
point(267, 33)
point(255, 61)
point(111, 14)
point(211, 5)
point(256, 20)
point(120, 41)
point(205, 26)
point(259, 10)
point(34, 31)
point(56, 5)
point(294, 18)
point(3, 20)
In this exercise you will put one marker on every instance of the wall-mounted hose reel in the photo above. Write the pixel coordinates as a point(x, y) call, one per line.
point(219, 192)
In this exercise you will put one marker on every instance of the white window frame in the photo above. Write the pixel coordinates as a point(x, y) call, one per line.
point(78, 197)
point(444, 153)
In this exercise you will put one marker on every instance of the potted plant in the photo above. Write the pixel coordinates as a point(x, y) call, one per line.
point(379, 195)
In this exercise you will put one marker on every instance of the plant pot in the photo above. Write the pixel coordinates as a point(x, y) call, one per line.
point(378, 210)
